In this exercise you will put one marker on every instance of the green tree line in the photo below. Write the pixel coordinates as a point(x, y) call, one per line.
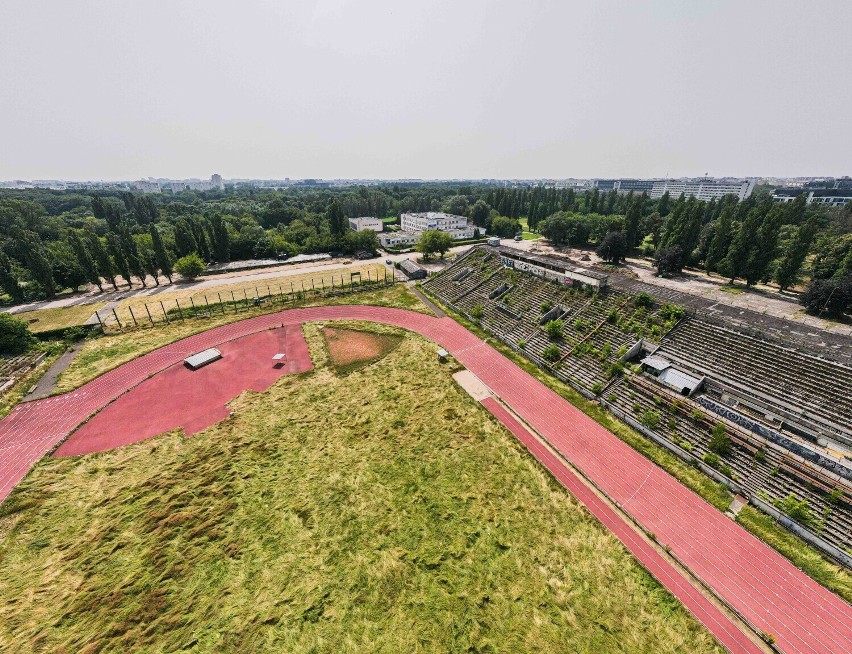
point(54, 240)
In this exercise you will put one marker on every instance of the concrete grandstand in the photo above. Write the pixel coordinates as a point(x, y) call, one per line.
point(786, 411)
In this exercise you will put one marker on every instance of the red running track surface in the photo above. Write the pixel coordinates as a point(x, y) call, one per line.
point(707, 613)
point(759, 583)
point(192, 399)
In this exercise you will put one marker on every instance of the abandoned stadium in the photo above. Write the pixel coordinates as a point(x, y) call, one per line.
point(771, 422)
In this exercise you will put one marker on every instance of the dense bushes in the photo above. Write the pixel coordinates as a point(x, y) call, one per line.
point(797, 509)
point(643, 300)
point(551, 353)
point(672, 312)
point(575, 229)
point(504, 227)
point(651, 419)
point(720, 443)
point(15, 336)
point(190, 266)
point(553, 329)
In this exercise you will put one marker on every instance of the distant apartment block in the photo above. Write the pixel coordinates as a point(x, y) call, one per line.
point(638, 186)
point(189, 185)
point(365, 223)
point(702, 190)
point(578, 186)
point(456, 226)
point(158, 186)
point(832, 192)
point(52, 184)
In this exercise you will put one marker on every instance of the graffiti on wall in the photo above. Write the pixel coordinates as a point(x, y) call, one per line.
point(538, 271)
point(773, 436)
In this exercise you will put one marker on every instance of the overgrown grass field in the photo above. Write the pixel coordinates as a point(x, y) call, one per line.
point(381, 511)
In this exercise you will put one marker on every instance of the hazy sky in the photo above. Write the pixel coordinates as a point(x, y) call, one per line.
point(340, 88)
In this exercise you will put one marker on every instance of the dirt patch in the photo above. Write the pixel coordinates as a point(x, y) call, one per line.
point(352, 349)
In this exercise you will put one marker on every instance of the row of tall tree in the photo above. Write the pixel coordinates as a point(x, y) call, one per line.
point(32, 266)
point(756, 241)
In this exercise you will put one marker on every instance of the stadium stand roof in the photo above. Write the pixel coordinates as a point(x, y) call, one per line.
point(551, 263)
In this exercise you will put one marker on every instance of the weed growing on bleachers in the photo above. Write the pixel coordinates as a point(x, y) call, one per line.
point(720, 443)
point(553, 329)
point(651, 419)
point(643, 300)
point(551, 353)
point(835, 496)
point(799, 510)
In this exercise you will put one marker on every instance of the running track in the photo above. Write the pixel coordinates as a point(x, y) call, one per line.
point(765, 588)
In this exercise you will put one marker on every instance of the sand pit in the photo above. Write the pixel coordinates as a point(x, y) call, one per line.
point(352, 349)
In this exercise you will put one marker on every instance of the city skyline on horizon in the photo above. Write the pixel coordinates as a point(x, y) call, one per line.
point(296, 179)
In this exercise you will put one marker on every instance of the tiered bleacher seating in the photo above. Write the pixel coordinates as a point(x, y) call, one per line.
point(790, 384)
point(599, 328)
point(771, 476)
point(510, 305)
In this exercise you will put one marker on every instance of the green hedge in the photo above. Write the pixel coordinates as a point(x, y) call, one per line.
point(75, 333)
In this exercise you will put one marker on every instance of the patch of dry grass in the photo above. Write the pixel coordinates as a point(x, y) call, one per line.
point(384, 511)
point(107, 352)
point(50, 319)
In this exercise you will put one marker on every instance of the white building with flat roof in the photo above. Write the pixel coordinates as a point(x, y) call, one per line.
point(702, 190)
point(456, 226)
point(398, 239)
point(366, 222)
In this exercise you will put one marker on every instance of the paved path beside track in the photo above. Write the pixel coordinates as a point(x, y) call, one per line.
point(47, 382)
point(760, 584)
